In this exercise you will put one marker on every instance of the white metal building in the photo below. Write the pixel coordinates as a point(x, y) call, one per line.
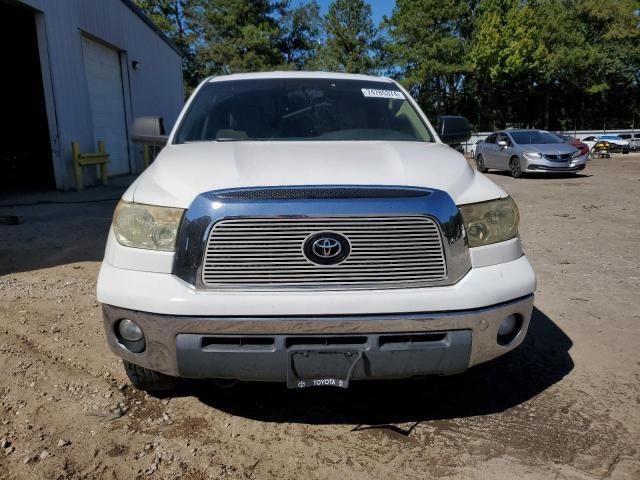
point(79, 71)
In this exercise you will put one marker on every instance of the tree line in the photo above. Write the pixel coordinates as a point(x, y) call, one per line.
point(554, 64)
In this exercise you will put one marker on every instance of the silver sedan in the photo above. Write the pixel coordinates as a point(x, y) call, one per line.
point(528, 151)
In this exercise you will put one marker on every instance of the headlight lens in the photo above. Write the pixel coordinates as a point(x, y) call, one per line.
point(490, 222)
point(532, 155)
point(576, 154)
point(146, 226)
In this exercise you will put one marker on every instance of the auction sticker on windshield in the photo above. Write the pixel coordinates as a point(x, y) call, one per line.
point(375, 93)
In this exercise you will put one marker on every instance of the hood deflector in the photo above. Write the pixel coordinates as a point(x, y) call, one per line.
point(302, 192)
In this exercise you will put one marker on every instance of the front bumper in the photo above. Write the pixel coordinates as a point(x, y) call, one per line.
point(235, 347)
point(543, 165)
point(500, 274)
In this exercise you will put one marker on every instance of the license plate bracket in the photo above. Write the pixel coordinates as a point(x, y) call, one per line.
point(303, 362)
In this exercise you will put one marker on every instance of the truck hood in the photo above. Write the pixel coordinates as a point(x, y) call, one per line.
point(182, 172)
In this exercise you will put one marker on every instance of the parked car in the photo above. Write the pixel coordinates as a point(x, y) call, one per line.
point(581, 146)
point(617, 144)
point(474, 148)
point(458, 147)
point(528, 151)
point(633, 139)
point(311, 228)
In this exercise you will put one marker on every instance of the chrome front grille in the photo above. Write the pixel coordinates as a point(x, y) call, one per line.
point(267, 252)
point(558, 157)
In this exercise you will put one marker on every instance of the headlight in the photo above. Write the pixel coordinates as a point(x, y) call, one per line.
point(146, 226)
point(535, 155)
point(490, 222)
point(576, 154)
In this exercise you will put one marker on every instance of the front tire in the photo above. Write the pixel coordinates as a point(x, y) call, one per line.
point(516, 169)
point(148, 380)
point(480, 164)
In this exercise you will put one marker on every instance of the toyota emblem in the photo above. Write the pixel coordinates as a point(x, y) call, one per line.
point(326, 248)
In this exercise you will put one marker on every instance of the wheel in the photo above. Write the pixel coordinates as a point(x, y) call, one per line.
point(516, 169)
point(480, 164)
point(148, 380)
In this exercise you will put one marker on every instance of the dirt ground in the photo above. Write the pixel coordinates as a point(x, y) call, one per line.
point(566, 404)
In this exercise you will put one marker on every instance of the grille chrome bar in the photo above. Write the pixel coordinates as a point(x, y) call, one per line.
point(267, 253)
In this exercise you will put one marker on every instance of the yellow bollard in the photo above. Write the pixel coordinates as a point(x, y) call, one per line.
point(146, 156)
point(103, 166)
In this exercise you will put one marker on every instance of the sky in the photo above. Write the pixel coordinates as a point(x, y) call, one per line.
point(379, 8)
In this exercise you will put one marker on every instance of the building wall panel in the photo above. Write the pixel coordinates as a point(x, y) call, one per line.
point(155, 88)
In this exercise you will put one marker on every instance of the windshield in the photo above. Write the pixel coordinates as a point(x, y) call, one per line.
point(301, 109)
point(535, 137)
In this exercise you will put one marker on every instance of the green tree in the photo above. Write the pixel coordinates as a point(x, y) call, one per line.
point(352, 41)
point(557, 64)
point(240, 35)
point(612, 86)
point(553, 63)
point(177, 19)
point(507, 55)
point(566, 67)
point(300, 30)
point(429, 41)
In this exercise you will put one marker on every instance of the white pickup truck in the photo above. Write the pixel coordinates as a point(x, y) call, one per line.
point(313, 229)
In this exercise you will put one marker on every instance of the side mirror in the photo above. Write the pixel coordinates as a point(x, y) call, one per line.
point(149, 130)
point(453, 129)
point(503, 143)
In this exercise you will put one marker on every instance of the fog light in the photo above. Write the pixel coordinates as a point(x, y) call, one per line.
point(509, 329)
point(129, 330)
point(507, 325)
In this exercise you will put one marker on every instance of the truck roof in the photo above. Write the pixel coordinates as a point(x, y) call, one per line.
point(296, 74)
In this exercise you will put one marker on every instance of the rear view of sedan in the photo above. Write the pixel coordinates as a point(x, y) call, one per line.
point(528, 151)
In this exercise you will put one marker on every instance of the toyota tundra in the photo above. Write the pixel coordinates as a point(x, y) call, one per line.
point(311, 229)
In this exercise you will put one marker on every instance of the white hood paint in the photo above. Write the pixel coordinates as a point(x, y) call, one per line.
point(182, 172)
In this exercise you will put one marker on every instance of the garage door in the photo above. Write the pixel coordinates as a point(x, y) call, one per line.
point(104, 79)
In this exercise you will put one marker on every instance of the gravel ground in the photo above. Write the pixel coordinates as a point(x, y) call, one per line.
point(566, 404)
